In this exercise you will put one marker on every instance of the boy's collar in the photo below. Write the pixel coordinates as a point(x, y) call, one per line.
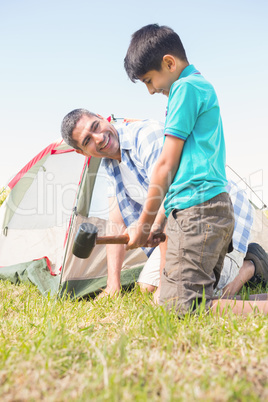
point(189, 70)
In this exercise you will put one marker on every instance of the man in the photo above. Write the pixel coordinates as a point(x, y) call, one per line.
point(130, 152)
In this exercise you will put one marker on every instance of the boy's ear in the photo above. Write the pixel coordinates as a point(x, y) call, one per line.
point(170, 62)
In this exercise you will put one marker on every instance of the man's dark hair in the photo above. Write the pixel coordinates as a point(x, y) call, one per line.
point(69, 123)
point(147, 48)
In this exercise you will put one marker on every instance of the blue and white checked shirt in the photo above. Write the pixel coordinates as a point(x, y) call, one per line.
point(243, 213)
point(141, 143)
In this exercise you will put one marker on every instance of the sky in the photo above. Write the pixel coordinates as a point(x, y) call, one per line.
point(61, 55)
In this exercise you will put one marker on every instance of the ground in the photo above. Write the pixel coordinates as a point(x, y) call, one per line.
point(126, 349)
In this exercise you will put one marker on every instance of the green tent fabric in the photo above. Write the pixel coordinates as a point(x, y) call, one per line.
point(90, 287)
point(36, 272)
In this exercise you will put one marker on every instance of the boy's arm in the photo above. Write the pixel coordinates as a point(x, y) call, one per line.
point(162, 176)
point(157, 227)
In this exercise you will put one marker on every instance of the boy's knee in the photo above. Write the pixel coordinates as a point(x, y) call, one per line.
point(181, 308)
point(182, 301)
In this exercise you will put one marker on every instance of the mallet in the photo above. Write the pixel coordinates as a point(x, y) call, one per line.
point(86, 238)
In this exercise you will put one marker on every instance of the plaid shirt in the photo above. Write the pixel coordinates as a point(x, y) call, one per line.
point(141, 143)
point(243, 213)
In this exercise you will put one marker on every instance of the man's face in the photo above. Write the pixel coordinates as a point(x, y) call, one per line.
point(97, 137)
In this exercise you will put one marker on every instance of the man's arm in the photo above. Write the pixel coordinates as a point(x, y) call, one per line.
point(115, 252)
point(162, 176)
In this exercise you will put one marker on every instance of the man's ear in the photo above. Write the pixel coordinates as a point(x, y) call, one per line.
point(170, 62)
point(78, 151)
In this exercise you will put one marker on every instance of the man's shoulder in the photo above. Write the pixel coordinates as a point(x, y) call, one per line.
point(145, 124)
point(150, 134)
point(140, 131)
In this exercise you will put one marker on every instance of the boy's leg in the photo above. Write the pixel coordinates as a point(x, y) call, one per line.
point(198, 239)
point(149, 277)
point(240, 307)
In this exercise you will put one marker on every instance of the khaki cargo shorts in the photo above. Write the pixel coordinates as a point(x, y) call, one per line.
point(198, 240)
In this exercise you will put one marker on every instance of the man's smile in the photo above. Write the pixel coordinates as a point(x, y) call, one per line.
point(97, 137)
point(106, 142)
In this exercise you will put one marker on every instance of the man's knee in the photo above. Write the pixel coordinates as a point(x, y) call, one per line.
point(145, 287)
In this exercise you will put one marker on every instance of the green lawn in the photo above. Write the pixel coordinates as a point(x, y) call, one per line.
point(126, 349)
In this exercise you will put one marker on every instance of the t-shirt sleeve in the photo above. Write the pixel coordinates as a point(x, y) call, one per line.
point(183, 110)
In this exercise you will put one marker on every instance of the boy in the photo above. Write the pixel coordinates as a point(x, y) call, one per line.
point(189, 174)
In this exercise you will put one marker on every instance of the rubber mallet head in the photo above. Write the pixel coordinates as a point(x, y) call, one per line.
point(85, 240)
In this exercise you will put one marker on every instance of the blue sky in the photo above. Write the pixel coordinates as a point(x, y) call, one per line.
point(60, 55)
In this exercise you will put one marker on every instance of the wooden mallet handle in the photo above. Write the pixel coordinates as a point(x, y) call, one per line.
point(122, 239)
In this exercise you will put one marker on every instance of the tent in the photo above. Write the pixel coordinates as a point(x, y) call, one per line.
point(49, 198)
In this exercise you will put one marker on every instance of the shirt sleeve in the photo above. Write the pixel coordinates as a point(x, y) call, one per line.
point(183, 110)
point(150, 144)
point(110, 179)
point(110, 187)
point(243, 213)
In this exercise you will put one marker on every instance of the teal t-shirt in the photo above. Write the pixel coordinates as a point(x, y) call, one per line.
point(193, 114)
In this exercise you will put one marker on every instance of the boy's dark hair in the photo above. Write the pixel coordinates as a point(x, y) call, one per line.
point(147, 48)
point(69, 123)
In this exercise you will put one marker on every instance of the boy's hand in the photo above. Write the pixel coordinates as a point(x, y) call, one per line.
point(137, 236)
point(153, 239)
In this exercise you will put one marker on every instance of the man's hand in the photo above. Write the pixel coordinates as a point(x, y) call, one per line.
point(109, 292)
point(156, 295)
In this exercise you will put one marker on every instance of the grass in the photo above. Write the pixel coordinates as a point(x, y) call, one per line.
point(125, 350)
